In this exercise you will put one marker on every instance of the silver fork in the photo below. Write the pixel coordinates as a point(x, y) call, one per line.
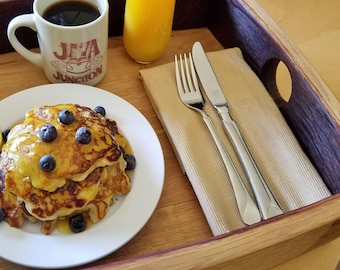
point(190, 94)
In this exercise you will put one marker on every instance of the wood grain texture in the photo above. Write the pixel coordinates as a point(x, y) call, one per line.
point(315, 29)
point(241, 249)
point(171, 225)
point(313, 112)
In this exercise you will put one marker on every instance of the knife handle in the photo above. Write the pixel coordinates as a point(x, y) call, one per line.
point(248, 210)
point(267, 204)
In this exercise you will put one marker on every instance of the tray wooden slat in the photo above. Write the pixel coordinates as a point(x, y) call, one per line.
point(262, 247)
point(313, 112)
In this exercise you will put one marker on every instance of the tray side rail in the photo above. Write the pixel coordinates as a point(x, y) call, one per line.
point(312, 112)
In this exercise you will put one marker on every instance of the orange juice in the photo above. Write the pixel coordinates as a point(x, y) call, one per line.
point(147, 28)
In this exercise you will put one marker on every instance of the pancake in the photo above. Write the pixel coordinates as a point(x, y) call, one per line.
point(114, 184)
point(75, 161)
point(85, 177)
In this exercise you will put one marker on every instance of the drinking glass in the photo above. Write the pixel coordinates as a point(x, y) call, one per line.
point(147, 28)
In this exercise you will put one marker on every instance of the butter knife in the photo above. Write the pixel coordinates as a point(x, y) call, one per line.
point(266, 202)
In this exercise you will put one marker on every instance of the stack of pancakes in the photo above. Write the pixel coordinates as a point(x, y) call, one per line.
point(84, 180)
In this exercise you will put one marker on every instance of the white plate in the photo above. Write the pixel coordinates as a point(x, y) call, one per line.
point(27, 246)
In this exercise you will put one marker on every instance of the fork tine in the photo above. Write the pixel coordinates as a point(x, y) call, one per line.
point(178, 77)
point(184, 73)
point(187, 75)
point(187, 84)
point(193, 74)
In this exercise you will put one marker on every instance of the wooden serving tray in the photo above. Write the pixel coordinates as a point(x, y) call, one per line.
point(312, 112)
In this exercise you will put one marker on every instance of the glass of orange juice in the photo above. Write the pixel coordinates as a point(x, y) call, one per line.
point(147, 28)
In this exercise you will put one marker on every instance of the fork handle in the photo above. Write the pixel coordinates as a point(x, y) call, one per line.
point(248, 210)
point(267, 204)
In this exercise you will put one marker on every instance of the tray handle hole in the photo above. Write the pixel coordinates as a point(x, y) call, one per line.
point(283, 81)
point(277, 79)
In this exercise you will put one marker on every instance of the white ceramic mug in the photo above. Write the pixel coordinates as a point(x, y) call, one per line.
point(73, 54)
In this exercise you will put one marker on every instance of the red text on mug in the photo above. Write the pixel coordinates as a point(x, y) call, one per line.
point(77, 62)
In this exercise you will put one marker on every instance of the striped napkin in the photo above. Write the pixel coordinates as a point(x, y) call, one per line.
point(289, 173)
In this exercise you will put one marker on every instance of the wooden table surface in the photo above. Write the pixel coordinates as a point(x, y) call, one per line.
point(178, 219)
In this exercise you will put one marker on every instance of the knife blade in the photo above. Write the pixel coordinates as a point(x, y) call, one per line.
point(266, 202)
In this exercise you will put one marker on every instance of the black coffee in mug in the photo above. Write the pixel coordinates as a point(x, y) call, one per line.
point(71, 13)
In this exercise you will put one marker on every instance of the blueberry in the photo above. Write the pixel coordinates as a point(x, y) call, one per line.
point(48, 133)
point(2, 214)
point(66, 117)
point(5, 134)
point(47, 163)
point(83, 135)
point(77, 223)
point(130, 160)
point(100, 110)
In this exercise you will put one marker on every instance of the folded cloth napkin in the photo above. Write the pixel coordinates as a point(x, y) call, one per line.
point(287, 170)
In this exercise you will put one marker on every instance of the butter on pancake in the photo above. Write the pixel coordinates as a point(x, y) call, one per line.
point(86, 175)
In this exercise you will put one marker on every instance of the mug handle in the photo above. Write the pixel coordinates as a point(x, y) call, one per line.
point(26, 20)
